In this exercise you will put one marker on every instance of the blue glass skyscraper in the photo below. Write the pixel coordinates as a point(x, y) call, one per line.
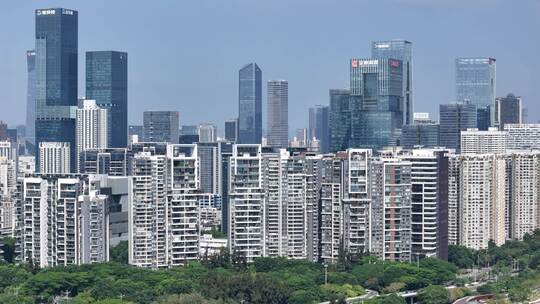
point(30, 135)
point(319, 127)
point(376, 98)
point(107, 84)
point(475, 83)
point(250, 104)
point(56, 76)
point(401, 50)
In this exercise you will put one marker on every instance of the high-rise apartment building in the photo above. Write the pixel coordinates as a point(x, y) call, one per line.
point(476, 83)
point(401, 50)
point(92, 127)
point(339, 119)
point(31, 102)
point(161, 126)
point(377, 116)
point(319, 127)
point(474, 141)
point(163, 209)
point(246, 202)
point(429, 201)
point(454, 118)
point(250, 104)
point(522, 136)
point(391, 209)
point(477, 193)
point(107, 84)
point(56, 77)
point(278, 114)
point(61, 220)
point(54, 157)
point(109, 161)
point(508, 110)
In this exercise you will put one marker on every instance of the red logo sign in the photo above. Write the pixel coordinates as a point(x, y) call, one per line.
point(394, 63)
point(354, 63)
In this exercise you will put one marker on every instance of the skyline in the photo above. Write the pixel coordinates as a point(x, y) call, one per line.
point(160, 81)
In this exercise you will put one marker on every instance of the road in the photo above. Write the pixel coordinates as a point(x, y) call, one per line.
point(370, 294)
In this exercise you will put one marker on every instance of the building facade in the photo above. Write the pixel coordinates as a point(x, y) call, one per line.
point(161, 126)
point(278, 114)
point(250, 104)
point(56, 77)
point(107, 84)
point(401, 50)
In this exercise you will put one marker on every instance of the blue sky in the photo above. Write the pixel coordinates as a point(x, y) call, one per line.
point(185, 55)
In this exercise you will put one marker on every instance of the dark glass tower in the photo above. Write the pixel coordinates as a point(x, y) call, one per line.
point(56, 76)
point(402, 50)
point(339, 120)
point(454, 118)
point(376, 104)
point(231, 130)
point(318, 126)
point(250, 104)
point(508, 110)
point(31, 102)
point(106, 82)
point(161, 126)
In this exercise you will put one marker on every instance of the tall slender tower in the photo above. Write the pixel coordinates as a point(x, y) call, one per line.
point(278, 113)
point(31, 102)
point(56, 77)
point(106, 83)
point(250, 104)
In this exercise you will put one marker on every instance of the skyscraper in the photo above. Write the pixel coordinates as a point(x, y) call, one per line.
point(31, 102)
point(161, 126)
point(92, 122)
point(250, 104)
point(454, 118)
point(475, 83)
point(207, 132)
point(319, 127)
point(106, 83)
point(56, 76)
point(376, 88)
point(508, 110)
point(401, 50)
point(231, 130)
point(278, 113)
point(339, 118)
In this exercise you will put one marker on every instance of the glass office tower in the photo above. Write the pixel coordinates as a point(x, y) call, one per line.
point(250, 104)
point(475, 83)
point(318, 126)
point(30, 136)
point(106, 83)
point(56, 76)
point(508, 110)
point(231, 130)
point(339, 116)
point(161, 126)
point(401, 50)
point(376, 89)
point(454, 118)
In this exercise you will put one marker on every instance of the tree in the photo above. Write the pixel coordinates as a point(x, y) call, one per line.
point(461, 256)
point(434, 294)
point(120, 253)
point(8, 248)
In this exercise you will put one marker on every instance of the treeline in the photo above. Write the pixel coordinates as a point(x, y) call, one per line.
point(220, 279)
